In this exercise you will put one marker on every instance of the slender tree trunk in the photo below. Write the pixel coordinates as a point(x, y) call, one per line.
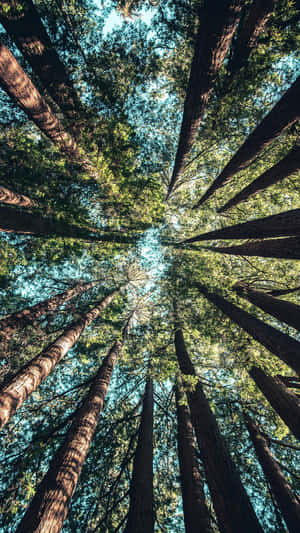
point(196, 514)
point(218, 24)
point(283, 401)
point(281, 225)
point(285, 113)
point(141, 512)
point(284, 168)
point(22, 21)
point(287, 248)
point(231, 503)
point(287, 501)
point(16, 391)
point(282, 292)
point(49, 507)
point(280, 344)
point(284, 311)
point(13, 198)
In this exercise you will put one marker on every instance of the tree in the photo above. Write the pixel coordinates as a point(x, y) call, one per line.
point(287, 248)
point(13, 198)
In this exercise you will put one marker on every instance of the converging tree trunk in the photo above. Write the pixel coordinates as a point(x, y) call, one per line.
point(141, 510)
point(284, 402)
point(196, 514)
point(16, 391)
point(231, 503)
point(13, 198)
point(287, 501)
point(287, 166)
point(280, 344)
point(285, 113)
point(288, 248)
point(217, 26)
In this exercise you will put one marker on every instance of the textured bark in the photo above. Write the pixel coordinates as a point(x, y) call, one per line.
point(285, 113)
point(196, 514)
point(288, 248)
point(16, 391)
point(141, 511)
point(49, 507)
point(21, 20)
point(231, 503)
point(19, 87)
point(219, 20)
point(281, 225)
point(280, 344)
point(284, 311)
point(287, 501)
point(13, 198)
point(283, 401)
point(284, 168)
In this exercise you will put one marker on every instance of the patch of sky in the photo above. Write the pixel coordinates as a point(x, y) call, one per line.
point(151, 258)
point(116, 19)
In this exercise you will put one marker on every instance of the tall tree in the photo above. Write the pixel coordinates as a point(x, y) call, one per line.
point(287, 501)
point(285, 113)
point(218, 23)
point(141, 510)
point(13, 198)
point(287, 248)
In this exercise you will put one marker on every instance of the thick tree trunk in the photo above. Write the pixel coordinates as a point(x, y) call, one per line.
point(287, 501)
point(19, 87)
point(21, 20)
point(283, 401)
point(284, 311)
point(13, 198)
point(196, 514)
point(288, 248)
point(218, 24)
point(285, 113)
point(280, 344)
point(49, 507)
point(281, 225)
point(231, 503)
point(284, 168)
point(141, 511)
point(16, 391)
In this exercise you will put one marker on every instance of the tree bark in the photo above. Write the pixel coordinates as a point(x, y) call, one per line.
point(288, 248)
point(141, 511)
point(231, 503)
point(49, 507)
point(196, 514)
point(16, 391)
point(284, 311)
point(285, 113)
point(284, 402)
point(280, 344)
point(13, 198)
point(218, 24)
point(287, 501)
point(284, 168)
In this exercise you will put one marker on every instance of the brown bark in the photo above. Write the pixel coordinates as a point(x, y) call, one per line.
point(196, 514)
point(49, 507)
point(288, 248)
point(285, 113)
point(141, 511)
point(287, 501)
point(281, 225)
point(280, 344)
point(22, 21)
point(231, 503)
point(283, 401)
point(13, 198)
point(284, 311)
point(218, 24)
point(16, 391)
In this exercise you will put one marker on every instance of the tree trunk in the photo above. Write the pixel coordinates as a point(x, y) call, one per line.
point(281, 225)
point(283, 292)
point(19, 87)
point(282, 116)
point(217, 26)
point(11, 197)
point(284, 311)
point(196, 514)
point(284, 168)
point(22, 21)
point(280, 344)
point(49, 507)
point(16, 391)
point(141, 511)
point(231, 503)
point(288, 248)
point(287, 501)
point(284, 402)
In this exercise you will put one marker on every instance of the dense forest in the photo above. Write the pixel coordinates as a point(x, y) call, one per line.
point(149, 266)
